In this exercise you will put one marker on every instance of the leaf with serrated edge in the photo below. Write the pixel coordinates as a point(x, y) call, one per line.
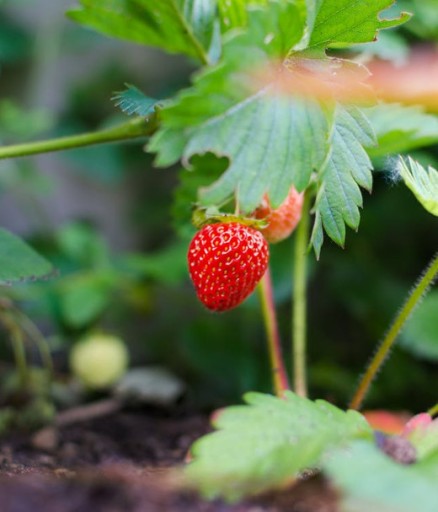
point(177, 26)
point(371, 481)
point(19, 262)
point(346, 22)
point(347, 167)
point(272, 140)
point(133, 101)
point(422, 182)
point(267, 442)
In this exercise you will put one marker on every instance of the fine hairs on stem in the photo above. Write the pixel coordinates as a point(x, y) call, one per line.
point(424, 283)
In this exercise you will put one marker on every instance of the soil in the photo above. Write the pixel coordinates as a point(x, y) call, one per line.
point(125, 462)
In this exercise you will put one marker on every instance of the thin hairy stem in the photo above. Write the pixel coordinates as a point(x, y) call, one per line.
point(414, 298)
point(139, 127)
point(279, 374)
point(299, 306)
point(433, 411)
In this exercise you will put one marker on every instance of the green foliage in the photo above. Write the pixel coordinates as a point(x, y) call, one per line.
point(424, 23)
point(422, 183)
point(177, 26)
point(369, 480)
point(19, 262)
point(401, 128)
point(420, 334)
point(347, 167)
point(342, 22)
point(274, 140)
point(267, 442)
point(133, 101)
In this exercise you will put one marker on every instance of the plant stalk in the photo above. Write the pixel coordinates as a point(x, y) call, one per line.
point(299, 306)
point(414, 298)
point(139, 127)
point(279, 374)
point(433, 411)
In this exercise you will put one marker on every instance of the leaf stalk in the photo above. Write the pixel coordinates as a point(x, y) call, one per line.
point(279, 374)
point(299, 306)
point(413, 300)
point(139, 127)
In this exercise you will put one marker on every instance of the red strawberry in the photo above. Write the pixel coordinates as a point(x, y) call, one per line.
point(226, 261)
point(284, 219)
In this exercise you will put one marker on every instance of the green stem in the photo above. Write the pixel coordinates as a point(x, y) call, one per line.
point(433, 411)
point(18, 348)
point(299, 311)
point(279, 374)
point(383, 350)
point(139, 127)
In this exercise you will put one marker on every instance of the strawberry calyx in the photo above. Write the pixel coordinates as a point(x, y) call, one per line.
point(202, 216)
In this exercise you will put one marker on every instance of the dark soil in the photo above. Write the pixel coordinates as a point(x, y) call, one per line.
point(125, 463)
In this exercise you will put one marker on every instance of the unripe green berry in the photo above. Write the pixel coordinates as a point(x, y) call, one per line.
point(99, 360)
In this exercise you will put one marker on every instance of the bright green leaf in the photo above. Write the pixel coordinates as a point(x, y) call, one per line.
point(420, 334)
point(345, 22)
point(177, 26)
point(133, 101)
point(272, 140)
point(371, 481)
point(233, 13)
point(266, 442)
point(422, 182)
point(347, 168)
point(19, 262)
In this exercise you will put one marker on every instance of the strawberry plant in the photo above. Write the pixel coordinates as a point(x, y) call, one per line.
point(286, 119)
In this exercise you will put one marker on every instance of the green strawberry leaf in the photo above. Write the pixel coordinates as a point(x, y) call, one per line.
point(133, 101)
point(401, 128)
point(347, 167)
point(261, 132)
point(420, 335)
point(235, 13)
point(369, 480)
point(267, 442)
point(339, 23)
point(177, 26)
point(19, 262)
point(422, 183)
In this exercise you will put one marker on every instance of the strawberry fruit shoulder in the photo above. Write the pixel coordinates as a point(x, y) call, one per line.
point(226, 261)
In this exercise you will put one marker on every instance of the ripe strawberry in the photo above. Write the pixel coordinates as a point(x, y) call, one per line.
point(284, 219)
point(226, 261)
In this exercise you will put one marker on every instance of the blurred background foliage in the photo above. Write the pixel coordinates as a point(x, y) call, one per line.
point(111, 225)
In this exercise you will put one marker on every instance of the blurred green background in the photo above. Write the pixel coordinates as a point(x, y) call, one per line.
point(103, 216)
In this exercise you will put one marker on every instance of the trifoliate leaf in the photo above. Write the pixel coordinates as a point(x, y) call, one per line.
point(400, 128)
point(422, 182)
point(347, 167)
point(420, 335)
point(266, 442)
point(339, 23)
point(19, 262)
point(371, 481)
point(133, 101)
point(272, 140)
point(177, 26)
